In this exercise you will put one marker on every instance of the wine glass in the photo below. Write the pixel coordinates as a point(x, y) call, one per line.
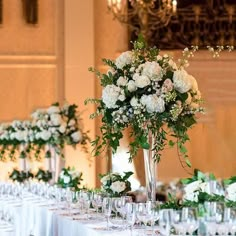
point(69, 199)
point(189, 216)
point(130, 209)
point(106, 208)
point(165, 219)
point(97, 201)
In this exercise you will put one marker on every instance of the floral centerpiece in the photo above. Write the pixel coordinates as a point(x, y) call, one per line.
point(20, 175)
point(115, 184)
point(150, 94)
point(69, 178)
point(57, 126)
point(43, 175)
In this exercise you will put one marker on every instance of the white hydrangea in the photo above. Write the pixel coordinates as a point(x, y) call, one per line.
point(110, 95)
point(53, 109)
point(118, 186)
point(182, 81)
point(122, 81)
point(142, 81)
point(152, 70)
point(131, 86)
point(76, 136)
point(153, 103)
point(124, 59)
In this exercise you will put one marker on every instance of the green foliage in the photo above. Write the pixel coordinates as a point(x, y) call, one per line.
point(43, 175)
point(20, 176)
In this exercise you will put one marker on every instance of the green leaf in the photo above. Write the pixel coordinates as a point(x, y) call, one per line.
point(171, 143)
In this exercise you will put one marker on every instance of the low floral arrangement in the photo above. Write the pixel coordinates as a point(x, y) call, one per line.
point(230, 191)
point(69, 178)
point(152, 95)
point(43, 175)
point(20, 176)
point(114, 184)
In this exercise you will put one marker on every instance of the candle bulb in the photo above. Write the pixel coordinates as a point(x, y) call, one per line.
point(174, 6)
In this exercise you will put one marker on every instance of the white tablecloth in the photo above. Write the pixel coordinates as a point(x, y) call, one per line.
point(35, 217)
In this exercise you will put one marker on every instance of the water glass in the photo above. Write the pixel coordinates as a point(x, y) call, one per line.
point(106, 209)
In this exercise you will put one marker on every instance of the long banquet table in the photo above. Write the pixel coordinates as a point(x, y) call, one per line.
point(33, 216)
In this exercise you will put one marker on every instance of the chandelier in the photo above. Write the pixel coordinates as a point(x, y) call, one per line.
point(143, 15)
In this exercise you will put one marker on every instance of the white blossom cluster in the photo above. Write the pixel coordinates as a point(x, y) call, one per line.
point(231, 192)
point(113, 183)
point(150, 88)
point(53, 124)
point(69, 175)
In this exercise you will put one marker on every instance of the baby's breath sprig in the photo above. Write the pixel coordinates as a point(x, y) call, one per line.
point(187, 53)
point(216, 51)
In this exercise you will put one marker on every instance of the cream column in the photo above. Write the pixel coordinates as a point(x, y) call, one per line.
point(79, 83)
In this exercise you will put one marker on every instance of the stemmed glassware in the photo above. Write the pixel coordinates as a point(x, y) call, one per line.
point(130, 209)
point(97, 199)
point(107, 208)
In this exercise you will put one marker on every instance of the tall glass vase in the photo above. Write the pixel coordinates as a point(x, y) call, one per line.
point(150, 170)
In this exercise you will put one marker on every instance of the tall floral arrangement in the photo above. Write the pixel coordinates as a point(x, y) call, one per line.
point(149, 93)
point(57, 126)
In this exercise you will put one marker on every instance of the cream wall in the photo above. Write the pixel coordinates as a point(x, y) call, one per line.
point(31, 59)
point(79, 82)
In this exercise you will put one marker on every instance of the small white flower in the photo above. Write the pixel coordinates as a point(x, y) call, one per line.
point(159, 57)
point(121, 97)
point(62, 128)
point(76, 136)
point(66, 179)
point(191, 190)
point(118, 186)
point(131, 86)
point(134, 102)
point(172, 64)
point(124, 59)
point(56, 119)
point(231, 192)
point(72, 122)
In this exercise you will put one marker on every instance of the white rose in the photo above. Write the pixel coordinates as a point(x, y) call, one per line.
point(53, 109)
point(76, 136)
point(131, 86)
point(182, 81)
point(74, 174)
point(56, 119)
point(62, 174)
point(110, 95)
point(142, 81)
point(121, 97)
point(118, 186)
point(45, 135)
point(153, 103)
point(124, 59)
point(66, 179)
point(122, 81)
point(152, 70)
